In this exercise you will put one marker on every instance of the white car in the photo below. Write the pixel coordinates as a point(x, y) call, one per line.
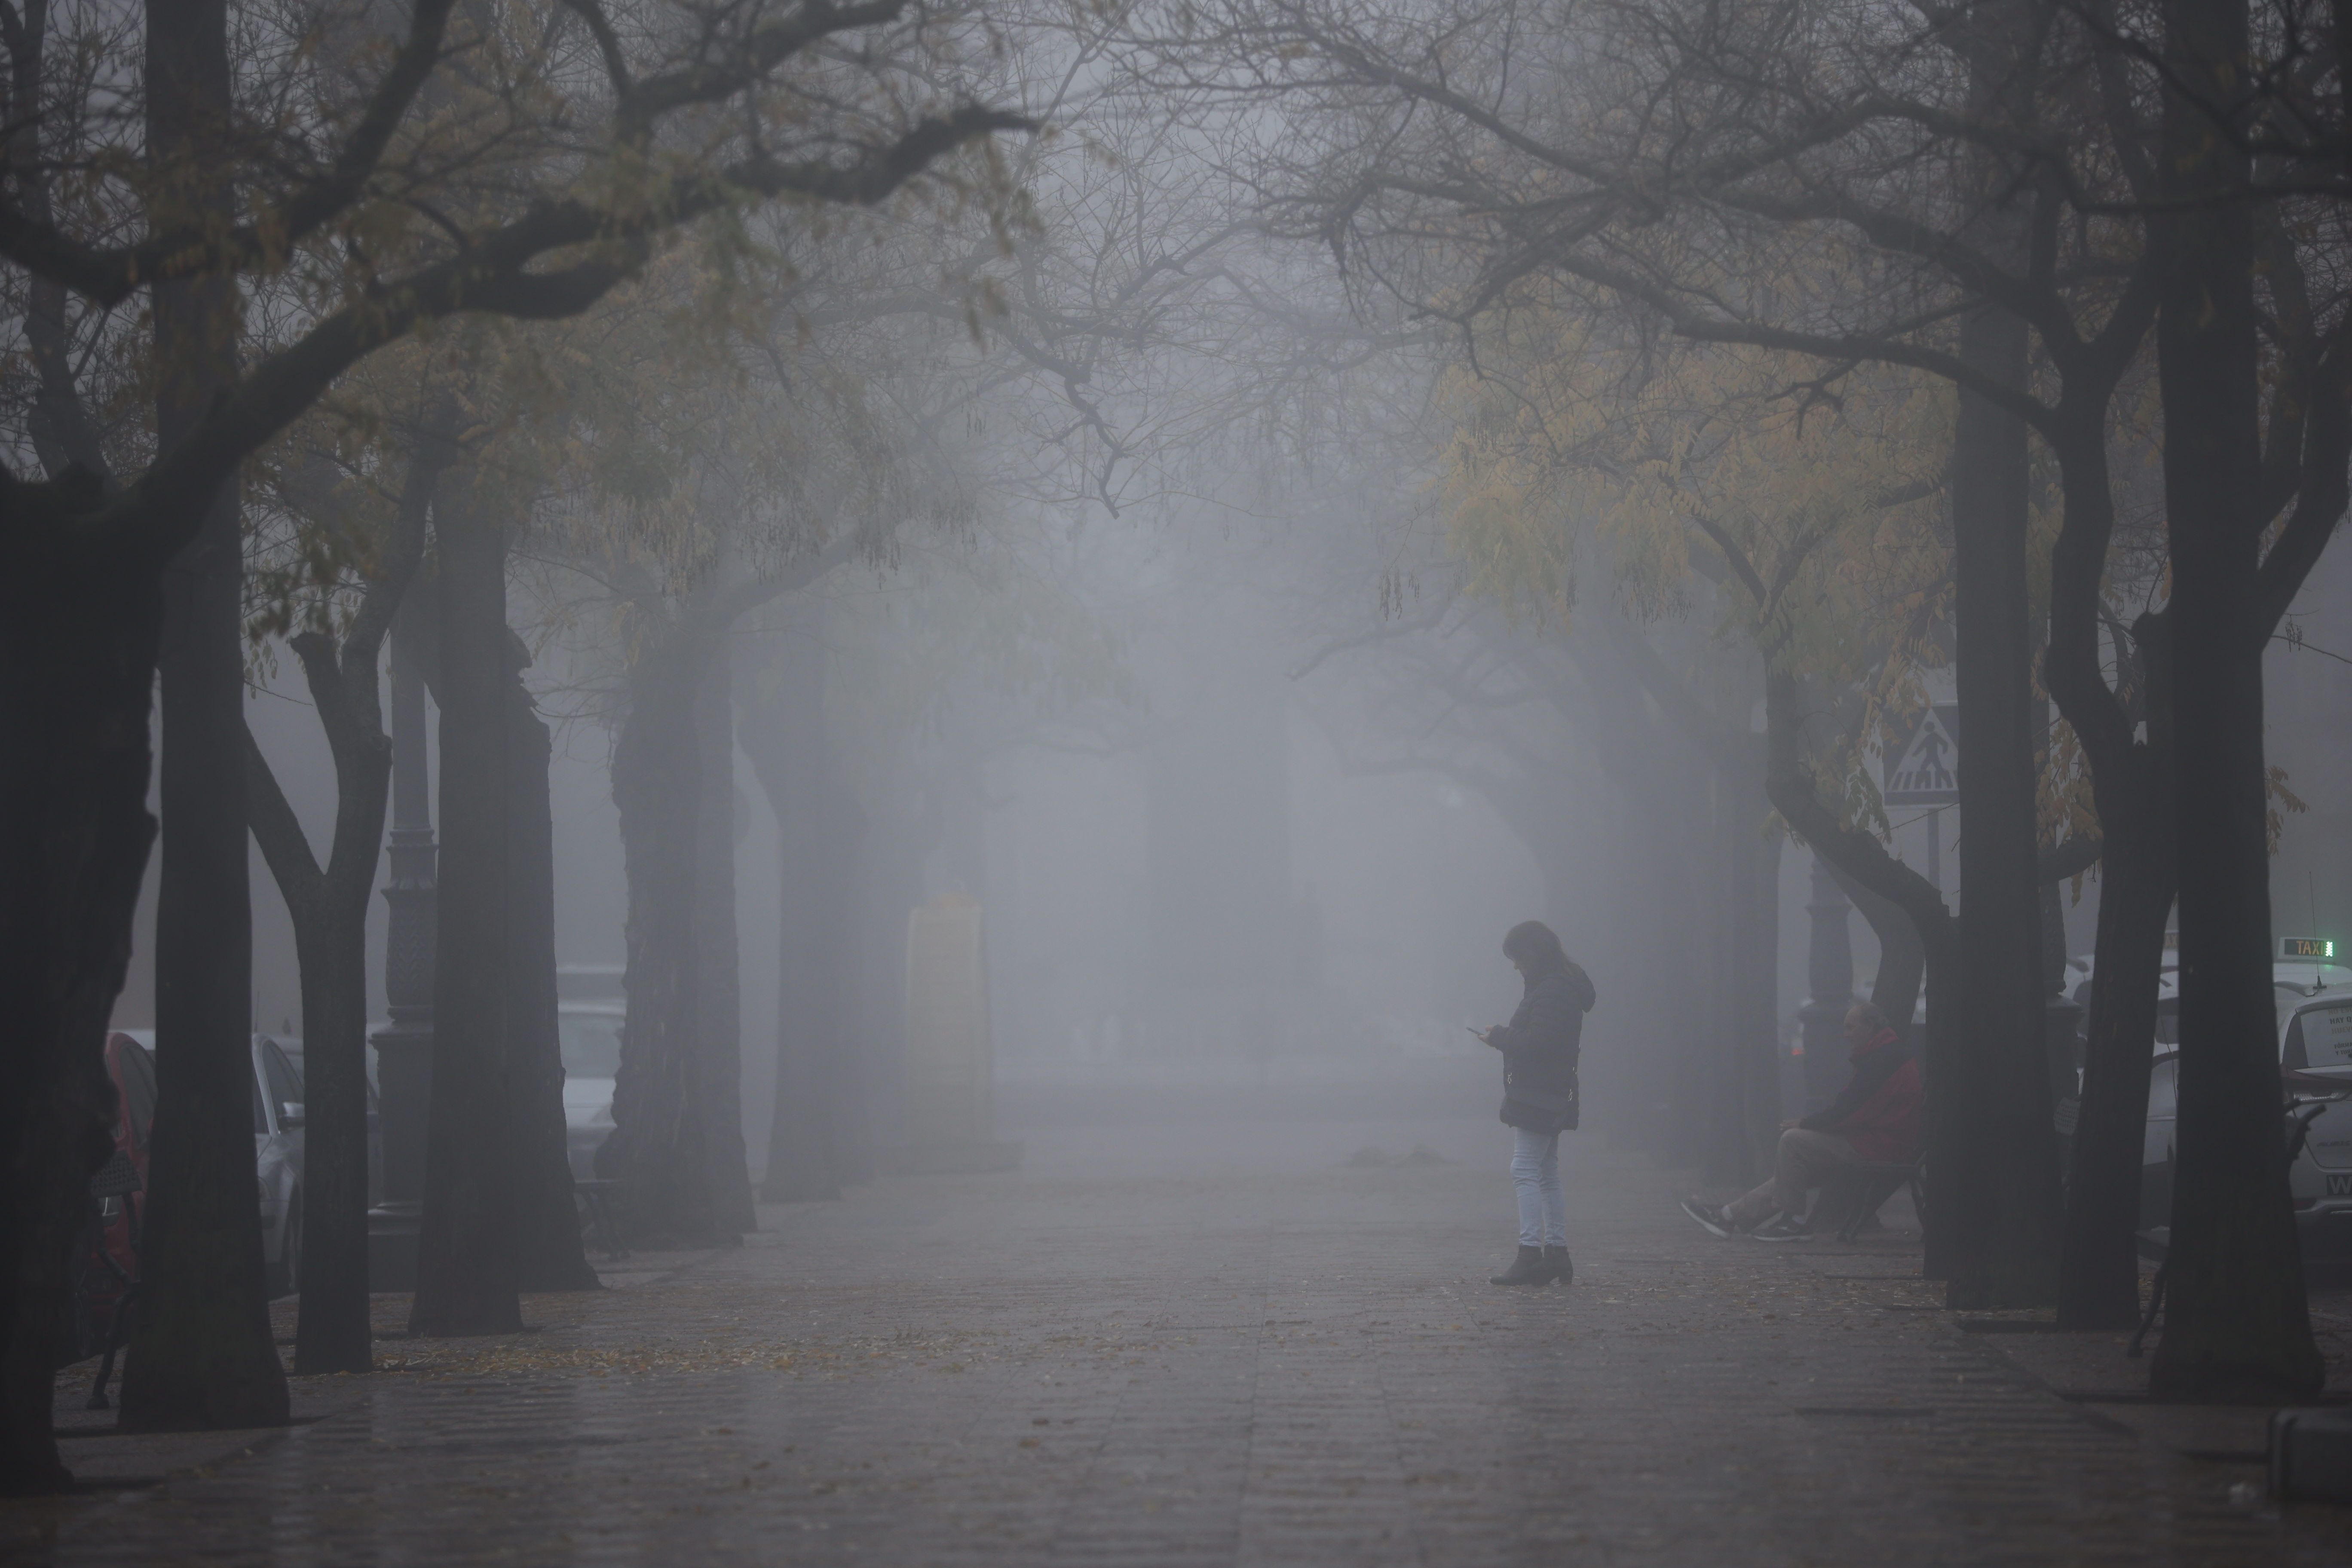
point(278, 1146)
point(277, 1143)
point(590, 1037)
point(2314, 1042)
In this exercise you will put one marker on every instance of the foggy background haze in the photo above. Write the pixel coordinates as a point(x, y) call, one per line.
point(1194, 881)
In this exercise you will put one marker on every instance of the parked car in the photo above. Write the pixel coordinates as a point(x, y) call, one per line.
point(277, 1093)
point(590, 1037)
point(2315, 1044)
point(2290, 979)
point(2316, 1051)
point(293, 1050)
point(277, 1146)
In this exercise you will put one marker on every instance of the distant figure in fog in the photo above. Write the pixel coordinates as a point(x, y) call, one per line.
point(1874, 1119)
point(1539, 1047)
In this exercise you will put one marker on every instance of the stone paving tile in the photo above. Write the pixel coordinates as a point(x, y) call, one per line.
point(1215, 1342)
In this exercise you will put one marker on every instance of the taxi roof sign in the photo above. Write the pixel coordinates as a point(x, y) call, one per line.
point(2313, 947)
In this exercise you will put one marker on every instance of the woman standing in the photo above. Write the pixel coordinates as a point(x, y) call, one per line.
point(1539, 1047)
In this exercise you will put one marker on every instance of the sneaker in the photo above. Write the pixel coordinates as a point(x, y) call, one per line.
point(1714, 1219)
point(1782, 1228)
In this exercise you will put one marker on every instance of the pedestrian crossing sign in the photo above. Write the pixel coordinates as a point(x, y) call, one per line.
point(1925, 768)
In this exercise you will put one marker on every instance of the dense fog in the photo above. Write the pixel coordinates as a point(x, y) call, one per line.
point(624, 620)
point(1235, 865)
point(1230, 868)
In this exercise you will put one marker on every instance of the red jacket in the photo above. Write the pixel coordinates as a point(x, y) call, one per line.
point(1878, 1112)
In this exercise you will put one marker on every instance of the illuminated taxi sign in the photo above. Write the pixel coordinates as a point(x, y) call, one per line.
point(2312, 947)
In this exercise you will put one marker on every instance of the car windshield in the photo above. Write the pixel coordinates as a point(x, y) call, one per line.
point(591, 1044)
point(285, 1077)
point(2320, 1038)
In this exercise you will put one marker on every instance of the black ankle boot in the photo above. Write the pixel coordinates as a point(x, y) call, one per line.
point(1556, 1259)
point(1528, 1269)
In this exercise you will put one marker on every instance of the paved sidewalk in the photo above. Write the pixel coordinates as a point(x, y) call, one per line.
point(1214, 1338)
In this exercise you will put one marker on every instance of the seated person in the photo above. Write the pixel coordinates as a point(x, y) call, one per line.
point(1873, 1121)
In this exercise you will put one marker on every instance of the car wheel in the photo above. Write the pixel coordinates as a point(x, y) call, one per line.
point(290, 1250)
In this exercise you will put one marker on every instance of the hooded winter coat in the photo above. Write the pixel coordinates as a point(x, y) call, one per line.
point(1540, 1046)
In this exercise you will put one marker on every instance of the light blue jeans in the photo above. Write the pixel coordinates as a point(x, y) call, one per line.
point(1535, 1173)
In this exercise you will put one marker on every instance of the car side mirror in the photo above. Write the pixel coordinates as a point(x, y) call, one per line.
point(290, 1113)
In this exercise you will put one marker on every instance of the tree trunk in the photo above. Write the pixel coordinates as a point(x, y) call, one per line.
point(661, 1120)
point(1829, 983)
point(77, 677)
point(1997, 1157)
point(1673, 1072)
point(719, 993)
point(1728, 1160)
point(1902, 957)
point(332, 1333)
point(2098, 1284)
point(2099, 1276)
point(547, 1251)
point(328, 907)
point(201, 1353)
point(467, 1278)
point(2238, 1324)
point(1754, 847)
point(1902, 971)
point(2236, 1321)
point(1760, 989)
point(1996, 1150)
point(1940, 1046)
point(1667, 778)
point(1745, 1068)
point(1657, 777)
point(1868, 867)
point(784, 737)
point(857, 946)
point(885, 881)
